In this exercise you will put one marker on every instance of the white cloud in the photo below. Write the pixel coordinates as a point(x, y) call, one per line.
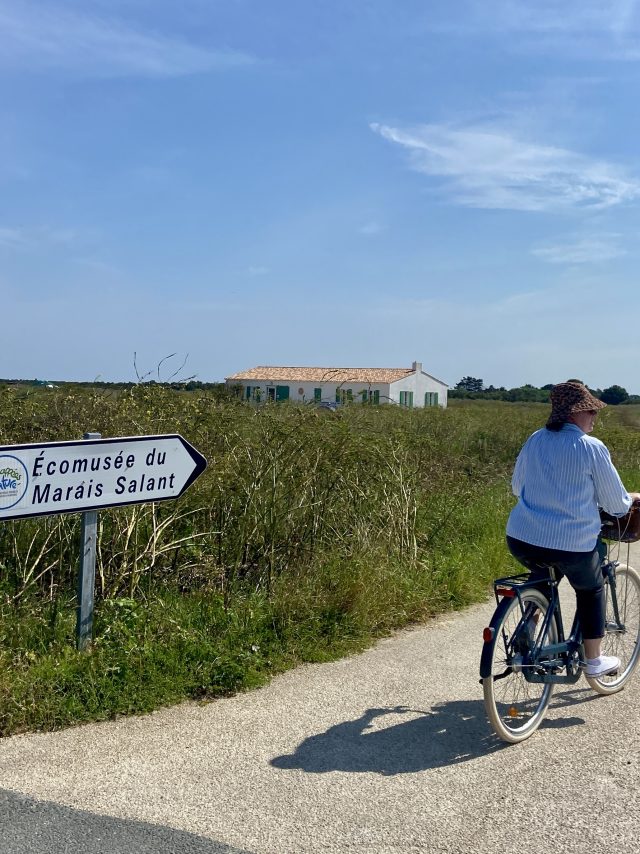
point(489, 167)
point(567, 16)
point(11, 237)
point(539, 336)
point(371, 228)
point(607, 29)
point(39, 37)
point(38, 236)
point(587, 250)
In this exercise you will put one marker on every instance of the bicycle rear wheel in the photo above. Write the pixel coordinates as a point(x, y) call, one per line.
point(515, 707)
point(621, 640)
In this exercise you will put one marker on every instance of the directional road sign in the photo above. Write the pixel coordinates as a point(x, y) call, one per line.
point(70, 477)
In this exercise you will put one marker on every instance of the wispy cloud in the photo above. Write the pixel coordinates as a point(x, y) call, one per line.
point(371, 228)
point(588, 250)
point(521, 353)
point(37, 37)
point(488, 167)
point(599, 28)
point(11, 237)
point(617, 16)
point(38, 236)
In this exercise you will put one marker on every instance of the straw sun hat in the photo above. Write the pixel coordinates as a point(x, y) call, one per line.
point(570, 398)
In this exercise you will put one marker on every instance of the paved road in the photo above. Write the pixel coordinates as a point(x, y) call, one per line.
point(387, 751)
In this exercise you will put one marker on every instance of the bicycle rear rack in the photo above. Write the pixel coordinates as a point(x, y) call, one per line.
point(511, 585)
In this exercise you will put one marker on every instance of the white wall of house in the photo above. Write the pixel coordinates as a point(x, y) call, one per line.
point(419, 383)
point(305, 391)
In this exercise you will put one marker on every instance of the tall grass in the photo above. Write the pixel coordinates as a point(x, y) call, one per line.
point(310, 533)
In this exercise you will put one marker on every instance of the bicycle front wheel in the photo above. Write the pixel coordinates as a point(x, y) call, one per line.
point(621, 639)
point(514, 706)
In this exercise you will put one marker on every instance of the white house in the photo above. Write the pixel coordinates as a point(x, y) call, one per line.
point(410, 387)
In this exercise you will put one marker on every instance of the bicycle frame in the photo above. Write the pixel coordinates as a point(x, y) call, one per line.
point(542, 662)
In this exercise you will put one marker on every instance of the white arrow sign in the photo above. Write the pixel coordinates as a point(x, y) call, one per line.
point(69, 477)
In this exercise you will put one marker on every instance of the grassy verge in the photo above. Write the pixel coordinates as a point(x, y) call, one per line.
point(159, 649)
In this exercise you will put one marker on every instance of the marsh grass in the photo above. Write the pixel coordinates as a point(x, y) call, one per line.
point(310, 534)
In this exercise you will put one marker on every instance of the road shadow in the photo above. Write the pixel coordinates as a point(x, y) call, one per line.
point(573, 697)
point(398, 740)
point(28, 826)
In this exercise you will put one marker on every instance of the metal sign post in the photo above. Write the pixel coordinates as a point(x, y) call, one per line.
point(87, 572)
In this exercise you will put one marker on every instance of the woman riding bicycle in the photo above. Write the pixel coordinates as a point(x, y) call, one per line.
point(561, 479)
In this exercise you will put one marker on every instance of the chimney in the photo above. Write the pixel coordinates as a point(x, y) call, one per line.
point(416, 367)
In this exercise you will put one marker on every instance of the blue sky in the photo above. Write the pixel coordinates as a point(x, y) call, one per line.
point(339, 183)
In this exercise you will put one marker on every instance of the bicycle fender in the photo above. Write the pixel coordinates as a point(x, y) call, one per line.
point(487, 647)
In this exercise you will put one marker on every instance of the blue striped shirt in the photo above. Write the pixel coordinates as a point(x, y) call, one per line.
point(561, 479)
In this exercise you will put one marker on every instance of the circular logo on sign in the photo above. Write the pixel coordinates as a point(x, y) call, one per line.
point(14, 480)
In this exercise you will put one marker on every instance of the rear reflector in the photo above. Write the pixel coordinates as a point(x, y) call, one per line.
point(488, 634)
point(509, 592)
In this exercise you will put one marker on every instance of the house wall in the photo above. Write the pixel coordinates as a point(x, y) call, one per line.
point(419, 383)
point(304, 391)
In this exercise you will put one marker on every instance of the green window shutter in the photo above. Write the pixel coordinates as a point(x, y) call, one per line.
point(435, 398)
point(248, 394)
point(363, 395)
point(317, 394)
point(410, 400)
point(338, 398)
point(350, 395)
point(282, 392)
point(376, 396)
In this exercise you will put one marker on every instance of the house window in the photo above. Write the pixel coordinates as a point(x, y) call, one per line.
point(344, 395)
point(317, 394)
point(369, 396)
point(282, 392)
point(271, 392)
point(406, 399)
point(431, 398)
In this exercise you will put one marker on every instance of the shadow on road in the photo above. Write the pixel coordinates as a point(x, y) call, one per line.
point(28, 826)
point(398, 740)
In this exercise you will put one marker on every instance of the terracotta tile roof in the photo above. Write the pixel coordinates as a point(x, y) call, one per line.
point(355, 375)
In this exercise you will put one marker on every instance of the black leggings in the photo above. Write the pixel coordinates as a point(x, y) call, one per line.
point(583, 571)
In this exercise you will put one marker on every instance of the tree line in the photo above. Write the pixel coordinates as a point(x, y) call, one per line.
point(474, 388)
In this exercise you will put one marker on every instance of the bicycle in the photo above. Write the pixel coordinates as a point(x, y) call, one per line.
point(525, 652)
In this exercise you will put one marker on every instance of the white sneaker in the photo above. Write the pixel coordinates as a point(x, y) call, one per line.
point(602, 666)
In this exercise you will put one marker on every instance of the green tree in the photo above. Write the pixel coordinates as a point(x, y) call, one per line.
point(614, 395)
point(470, 384)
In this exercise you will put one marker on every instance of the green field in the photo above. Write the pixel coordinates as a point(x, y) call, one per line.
point(310, 534)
